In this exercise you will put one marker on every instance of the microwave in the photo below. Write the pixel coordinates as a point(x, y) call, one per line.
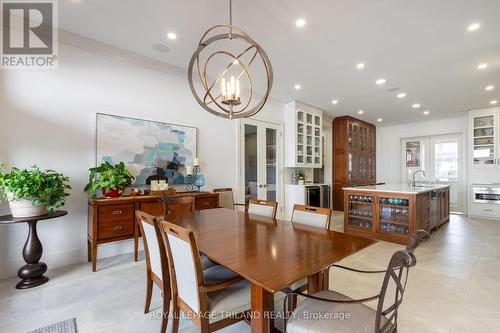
point(482, 193)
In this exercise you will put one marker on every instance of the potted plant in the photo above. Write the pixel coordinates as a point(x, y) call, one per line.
point(300, 176)
point(33, 192)
point(111, 179)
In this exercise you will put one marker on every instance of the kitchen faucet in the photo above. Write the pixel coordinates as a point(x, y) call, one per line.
point(413, 183)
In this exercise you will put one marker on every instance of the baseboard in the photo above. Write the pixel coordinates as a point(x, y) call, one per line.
point(8, 269)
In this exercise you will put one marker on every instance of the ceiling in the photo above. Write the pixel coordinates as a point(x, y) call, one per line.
point(422, 48)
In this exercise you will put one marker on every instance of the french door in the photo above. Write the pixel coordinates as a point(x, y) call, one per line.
point(442, 159)
point(260, 160)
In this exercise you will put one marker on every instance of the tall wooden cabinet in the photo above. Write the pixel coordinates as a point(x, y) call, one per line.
point(354, 151)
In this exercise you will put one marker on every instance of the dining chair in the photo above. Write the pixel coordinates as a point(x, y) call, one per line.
point(226, 198)
point(262, 207)
point(361, 317)
point(214, 298)
point(178, 205)
point(156, 263)
point(312, 216)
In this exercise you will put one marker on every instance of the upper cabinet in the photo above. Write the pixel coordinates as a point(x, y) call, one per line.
point(354, 156)
point(484, 136)
point(303, 132)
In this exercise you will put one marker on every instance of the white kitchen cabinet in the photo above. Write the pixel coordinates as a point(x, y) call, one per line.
point(303, 132)
point(484, 135)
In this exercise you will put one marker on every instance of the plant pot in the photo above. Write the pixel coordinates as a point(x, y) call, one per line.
point(25, 208)
point(302, 181)
point(114, 193)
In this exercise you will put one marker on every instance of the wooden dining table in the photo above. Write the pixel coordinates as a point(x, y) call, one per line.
point(270, 254)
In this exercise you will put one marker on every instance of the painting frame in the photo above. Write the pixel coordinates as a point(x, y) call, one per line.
point(175, 175)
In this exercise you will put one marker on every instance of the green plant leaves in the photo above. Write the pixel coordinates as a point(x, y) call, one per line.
point(43, 187)
point(108, 177)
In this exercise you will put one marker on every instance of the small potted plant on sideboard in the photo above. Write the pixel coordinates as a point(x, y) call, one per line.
point(300, 177)
point(111, 179)
point(33, 192)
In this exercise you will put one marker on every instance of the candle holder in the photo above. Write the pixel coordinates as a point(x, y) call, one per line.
point(192, 182)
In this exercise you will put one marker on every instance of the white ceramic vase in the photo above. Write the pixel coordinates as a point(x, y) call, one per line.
point(25, 207)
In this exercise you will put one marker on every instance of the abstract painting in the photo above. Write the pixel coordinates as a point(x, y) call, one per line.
point(149, 149)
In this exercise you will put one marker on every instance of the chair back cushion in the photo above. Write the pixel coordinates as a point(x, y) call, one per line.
point(311, 216)
point(226, 199)
point(152, 242)
point(267, 211)
point(185, 271)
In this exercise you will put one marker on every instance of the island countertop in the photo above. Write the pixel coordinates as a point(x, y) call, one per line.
point(398, 188)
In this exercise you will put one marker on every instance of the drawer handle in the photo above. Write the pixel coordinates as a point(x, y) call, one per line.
point(117, 228)
point(117, 212)
point(206, 203)
point(488, 210)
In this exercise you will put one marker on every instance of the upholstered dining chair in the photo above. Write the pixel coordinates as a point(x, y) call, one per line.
point(156, 263)
point(361, 317)
point(206, 297)
point(312, 216)
point(262, 207)
point(178, 205)
point(226, 198)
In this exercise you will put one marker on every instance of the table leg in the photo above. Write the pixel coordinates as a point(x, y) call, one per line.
point(32, 273)
point(317, 282)
point(262, 305)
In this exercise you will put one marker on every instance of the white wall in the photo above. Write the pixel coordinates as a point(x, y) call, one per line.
point(48, 117)
point(389, 137)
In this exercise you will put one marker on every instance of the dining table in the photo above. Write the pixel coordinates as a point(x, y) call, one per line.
point(270, 254)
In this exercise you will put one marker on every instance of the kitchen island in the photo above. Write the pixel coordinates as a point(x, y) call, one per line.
point(393, 212)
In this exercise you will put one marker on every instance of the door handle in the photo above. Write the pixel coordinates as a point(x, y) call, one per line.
point(260, 186)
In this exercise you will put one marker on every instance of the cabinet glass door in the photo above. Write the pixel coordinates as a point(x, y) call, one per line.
point(484, 140)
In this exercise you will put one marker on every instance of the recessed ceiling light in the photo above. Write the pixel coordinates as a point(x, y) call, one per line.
point(401, 95)
point(360, 65)
point(335, 102)
point(426, 112)
point(415, 106)
point(297, 86)
point(172, 35)
point(474, 26)
point(361, 112)
point(482, 66)
point(489, 88)
point(380, 81)
point(300, 22)
point(380, 120)
point(493, 102)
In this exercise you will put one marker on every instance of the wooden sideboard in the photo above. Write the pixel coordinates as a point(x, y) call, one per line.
point(112, 220)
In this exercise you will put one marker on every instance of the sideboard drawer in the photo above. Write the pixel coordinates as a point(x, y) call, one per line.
point(206, 202)
point(116, 221)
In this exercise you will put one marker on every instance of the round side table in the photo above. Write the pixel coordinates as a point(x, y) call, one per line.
point(31, 274)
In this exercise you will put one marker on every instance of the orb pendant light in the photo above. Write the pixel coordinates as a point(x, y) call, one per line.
point(220, 72)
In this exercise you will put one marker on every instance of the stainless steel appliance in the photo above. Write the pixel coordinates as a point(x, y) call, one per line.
point(325, 196)
point(486, 193)
point(318, 195)
point(313, 195)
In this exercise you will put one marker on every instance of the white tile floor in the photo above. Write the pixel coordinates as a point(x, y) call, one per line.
point(453, 288)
